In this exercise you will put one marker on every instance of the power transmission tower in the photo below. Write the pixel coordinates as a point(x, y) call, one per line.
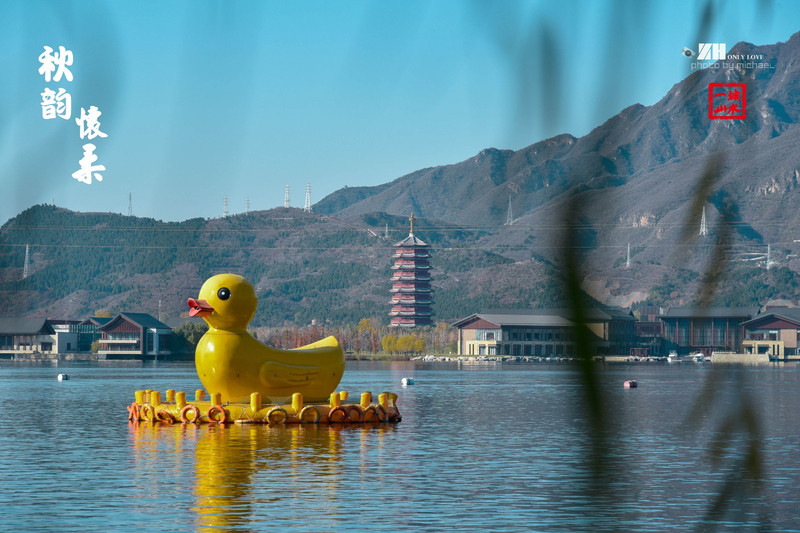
point(628, 262)
point(130, 204)
point(386, 231)
point(510, 217)
point(307, 206)
point(286, 202)
point(247, 205)
point(703, 224)
point(225, 208)
point(26, 269)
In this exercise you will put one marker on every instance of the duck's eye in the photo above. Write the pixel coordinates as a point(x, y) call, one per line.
point(224, 293)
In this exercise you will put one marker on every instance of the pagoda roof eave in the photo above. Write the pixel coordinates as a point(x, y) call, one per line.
point(411, 240)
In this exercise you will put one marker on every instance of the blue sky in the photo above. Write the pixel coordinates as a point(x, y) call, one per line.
point(202, 99)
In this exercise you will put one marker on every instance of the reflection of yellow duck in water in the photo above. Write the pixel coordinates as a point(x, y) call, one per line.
point(232, 362)
point(239, 467)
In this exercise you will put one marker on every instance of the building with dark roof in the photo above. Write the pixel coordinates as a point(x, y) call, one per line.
point(543, 332)
point(26, 336)
point(88, 331)
point(66, 337)
point(775, 332)
point(134, 334)
point(649, 332)
point(705, 329)
point(98, 320)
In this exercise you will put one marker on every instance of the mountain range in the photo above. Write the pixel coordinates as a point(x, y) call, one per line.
point(642, 181)
point(637, 178)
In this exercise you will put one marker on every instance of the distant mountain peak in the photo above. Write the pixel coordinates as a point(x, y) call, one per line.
point(623, 156)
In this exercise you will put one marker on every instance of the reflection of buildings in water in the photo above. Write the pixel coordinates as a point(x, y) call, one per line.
point(248, 473)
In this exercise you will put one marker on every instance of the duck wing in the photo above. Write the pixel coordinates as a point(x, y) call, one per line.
point(275, 374)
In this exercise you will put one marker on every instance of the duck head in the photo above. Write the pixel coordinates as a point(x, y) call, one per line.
point(226, 301)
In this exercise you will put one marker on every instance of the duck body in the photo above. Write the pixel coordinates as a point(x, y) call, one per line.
point(230, 361)
point(237, 364)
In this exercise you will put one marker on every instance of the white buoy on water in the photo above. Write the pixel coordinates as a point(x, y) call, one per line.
point(63, 377)
point(407, 381)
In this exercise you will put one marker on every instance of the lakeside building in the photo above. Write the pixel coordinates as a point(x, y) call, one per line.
point(47, 336)
point(136, 334)
point(26, 336)
point(705, 329)
point(649, 329)
point(775, 333)
point(66, 337)
point(543, 332)
point(89, 331)
point(412, 295)
point(131, 335)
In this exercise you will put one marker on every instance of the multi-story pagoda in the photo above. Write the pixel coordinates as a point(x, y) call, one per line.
point(411, 289)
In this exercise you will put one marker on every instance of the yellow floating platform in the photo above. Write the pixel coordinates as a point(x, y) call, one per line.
point(174, 408)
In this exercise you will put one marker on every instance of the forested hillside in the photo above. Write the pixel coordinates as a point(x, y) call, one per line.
point(305, 266)
point(308, 267)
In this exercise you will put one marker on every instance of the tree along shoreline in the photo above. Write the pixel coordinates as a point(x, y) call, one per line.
point(359, 341)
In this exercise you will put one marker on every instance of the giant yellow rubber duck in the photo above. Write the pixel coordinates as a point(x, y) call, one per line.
point(232, 362)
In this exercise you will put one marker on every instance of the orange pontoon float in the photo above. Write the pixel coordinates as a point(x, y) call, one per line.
point(174, 408)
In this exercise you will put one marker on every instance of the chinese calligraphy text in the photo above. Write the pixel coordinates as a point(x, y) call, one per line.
point(727, 101)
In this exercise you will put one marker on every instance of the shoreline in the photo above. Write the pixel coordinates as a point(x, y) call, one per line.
point(87, 356)
point(428, 358)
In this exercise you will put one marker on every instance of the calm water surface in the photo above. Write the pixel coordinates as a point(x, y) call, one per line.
point(490, 448)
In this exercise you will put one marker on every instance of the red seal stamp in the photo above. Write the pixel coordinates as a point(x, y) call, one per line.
point(727, 101)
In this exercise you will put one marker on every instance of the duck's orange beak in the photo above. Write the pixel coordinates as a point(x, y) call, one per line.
point(199, 308)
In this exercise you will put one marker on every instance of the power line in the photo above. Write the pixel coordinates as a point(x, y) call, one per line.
point(556, 246)
point(438, 228)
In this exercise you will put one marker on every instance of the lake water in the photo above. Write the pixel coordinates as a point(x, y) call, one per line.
point(480, 448)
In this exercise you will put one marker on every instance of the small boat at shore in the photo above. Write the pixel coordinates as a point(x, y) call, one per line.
point(696, 357)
